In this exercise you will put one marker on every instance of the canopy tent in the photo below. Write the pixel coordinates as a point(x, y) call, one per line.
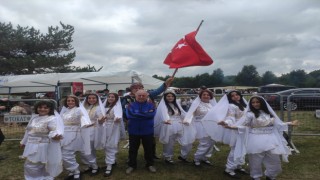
point(91, 81)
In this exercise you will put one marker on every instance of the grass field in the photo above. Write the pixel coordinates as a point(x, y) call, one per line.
point(305, 165)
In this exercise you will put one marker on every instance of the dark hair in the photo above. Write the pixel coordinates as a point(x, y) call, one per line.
point(49, 104)
point(86, 103)
point(75, 99)
point(263, 106)
point(208, 91)
point(170, 110)
point(110, 106)
point(136, 84)
point(241, 105)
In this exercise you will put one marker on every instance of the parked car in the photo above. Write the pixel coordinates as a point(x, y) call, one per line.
point(301, 98)
point(273, 88)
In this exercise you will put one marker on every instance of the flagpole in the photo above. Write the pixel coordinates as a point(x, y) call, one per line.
point(174, 73)
point(199, 26)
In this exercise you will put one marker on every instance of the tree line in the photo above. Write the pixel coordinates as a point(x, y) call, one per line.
point(248, 76)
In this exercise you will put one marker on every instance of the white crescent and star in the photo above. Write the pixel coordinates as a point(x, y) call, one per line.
point(179, 46)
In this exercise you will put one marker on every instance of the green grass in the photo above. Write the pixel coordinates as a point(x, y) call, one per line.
point(301, 166)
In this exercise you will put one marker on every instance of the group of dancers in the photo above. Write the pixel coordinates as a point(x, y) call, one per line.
point(250, 128)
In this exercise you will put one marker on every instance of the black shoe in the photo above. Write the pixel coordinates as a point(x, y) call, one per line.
point(232, 175)
point(108, 171)
point(69, 177)
point(155, 157)
point(197, 163)
point(185, 160)
point(86, 171)
point(242, 171)
point(207, 162)
point(94, 171)
point(269, 178)
point(169, 161)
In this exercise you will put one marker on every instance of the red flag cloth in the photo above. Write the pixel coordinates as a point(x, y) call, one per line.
point(187, 52)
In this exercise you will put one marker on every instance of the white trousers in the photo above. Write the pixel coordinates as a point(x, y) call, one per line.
point(90, 159)
point(271, 162)
point(35, 171)
point(231, 163)
point(185, 150)
point(169, 148)
point(69, 160)
point(110, 153)
point(203, 148)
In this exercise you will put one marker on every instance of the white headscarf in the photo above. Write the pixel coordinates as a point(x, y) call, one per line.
point(278, 129)
point(194, 106)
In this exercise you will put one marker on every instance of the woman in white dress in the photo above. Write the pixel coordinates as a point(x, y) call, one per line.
point(198, 110)
point(169, 127)
point(260, 136)
point(76, 134)
point(91, 104)
point(42, 143)
point(110, 130)
point(236, 105)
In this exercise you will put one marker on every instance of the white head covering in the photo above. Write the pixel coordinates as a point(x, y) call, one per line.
point(162, 113)
point(278, 129)
point(194, 106)
point(101, 105)
point(85, 119)
point(117, 108)
point(216, 114)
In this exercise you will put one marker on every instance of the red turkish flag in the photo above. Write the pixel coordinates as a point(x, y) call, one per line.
point(187, 52)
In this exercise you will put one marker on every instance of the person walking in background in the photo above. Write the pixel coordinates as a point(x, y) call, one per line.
point(42, 143)
point(91, 104)
point(110, 130)
point(169, 127)
point(76, 134)
point(140, 116)
point(261, 138)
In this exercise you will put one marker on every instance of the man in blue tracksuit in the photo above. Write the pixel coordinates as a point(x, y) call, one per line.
point(140, 116)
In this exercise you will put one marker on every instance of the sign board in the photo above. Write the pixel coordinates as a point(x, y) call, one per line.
point(16, 118)
point(77, 88)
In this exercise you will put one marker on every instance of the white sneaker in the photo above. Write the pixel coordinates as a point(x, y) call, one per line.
point(129, 170)
point(152, 169)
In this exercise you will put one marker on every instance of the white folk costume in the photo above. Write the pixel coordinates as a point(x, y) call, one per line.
point(42, 153)
point(91, 159)
point(76, 136)
point(195, 116)
point(261, 138)
point(231, 114)
point(175, 131)
point(110, 132)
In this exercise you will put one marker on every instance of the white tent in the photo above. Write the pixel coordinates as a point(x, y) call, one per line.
point(91, 81)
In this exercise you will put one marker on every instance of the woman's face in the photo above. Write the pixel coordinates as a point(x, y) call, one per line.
point(170, 98)
point(235, 97)
point(255, 103)
point(92, 99)
point(71, 102)
point(205, 97)
point(111, 98)
point(43, 110)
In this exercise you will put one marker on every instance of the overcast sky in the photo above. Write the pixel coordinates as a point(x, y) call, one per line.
point(275, 35)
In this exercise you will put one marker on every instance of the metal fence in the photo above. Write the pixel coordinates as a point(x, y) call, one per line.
point(307, 112)
point(15, 117)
